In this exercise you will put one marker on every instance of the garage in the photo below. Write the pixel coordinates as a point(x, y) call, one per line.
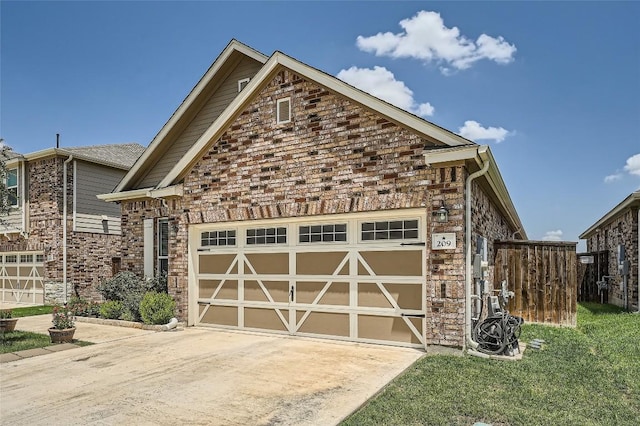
point(21, 277)
point(356, 277)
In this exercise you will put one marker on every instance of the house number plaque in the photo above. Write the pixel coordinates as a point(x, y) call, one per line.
point(443, 241)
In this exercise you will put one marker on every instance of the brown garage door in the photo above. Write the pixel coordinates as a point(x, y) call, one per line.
point(21, 277)
point(357, 278)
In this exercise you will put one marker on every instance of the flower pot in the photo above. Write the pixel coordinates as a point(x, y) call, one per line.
point(8, 324)
point(61, 336)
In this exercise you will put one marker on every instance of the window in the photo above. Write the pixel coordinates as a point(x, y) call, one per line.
point(266, 236)
point(323, 233)
point(284, 110)
point(389, 230)
point(39, 258)
point(11, 258)
point(243, 83)
point(26, 258)
point(12, 187)
point(163, 247)
point(218, 238)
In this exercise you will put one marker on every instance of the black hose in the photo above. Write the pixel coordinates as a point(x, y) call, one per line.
point(498, 334)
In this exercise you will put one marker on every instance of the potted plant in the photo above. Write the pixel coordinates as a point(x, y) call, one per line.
point(63, 325)
point(7, 323)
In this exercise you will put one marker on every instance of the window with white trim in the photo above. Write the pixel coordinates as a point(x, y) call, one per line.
point(283, 110)
point(328, 233)
point(389, 230)
point(163, 247)
point(11, 184)
point(218, 238)
point(243, 83)
point(260, 236)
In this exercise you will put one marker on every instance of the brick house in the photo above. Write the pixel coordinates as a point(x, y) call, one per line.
point(39, 249)
point(280, 198)
point(618, 233)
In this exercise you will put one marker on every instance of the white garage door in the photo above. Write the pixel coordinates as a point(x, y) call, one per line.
point(21, 277)
point(351, 277)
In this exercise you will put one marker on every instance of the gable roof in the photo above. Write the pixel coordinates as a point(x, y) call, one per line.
point(633, 200)
point(275, 63)
point(212, 73)
point(118, 155)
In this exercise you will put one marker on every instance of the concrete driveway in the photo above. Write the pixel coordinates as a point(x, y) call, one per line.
point(198, 376)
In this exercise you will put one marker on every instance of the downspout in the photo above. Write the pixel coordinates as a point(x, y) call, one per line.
point(64, 225)
point(468, 272)
point(23, 193)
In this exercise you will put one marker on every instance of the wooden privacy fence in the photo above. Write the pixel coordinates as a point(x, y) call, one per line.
point(543, 276)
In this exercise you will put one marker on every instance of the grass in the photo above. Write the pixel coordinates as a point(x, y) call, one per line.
point(584, 376)
point(14, 341)
point(31, 310)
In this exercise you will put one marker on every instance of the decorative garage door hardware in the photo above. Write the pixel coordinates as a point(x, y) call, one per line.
point(348, 290)
point(21, 277)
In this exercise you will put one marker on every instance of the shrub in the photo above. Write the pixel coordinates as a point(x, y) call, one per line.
point(157, 284)
point(62, 318)
point(131, 305)
point(111, 309)
point(83, 308)
point(157, 308)
point(118, 287)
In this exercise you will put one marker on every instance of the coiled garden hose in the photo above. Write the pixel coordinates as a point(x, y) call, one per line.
point(498, 334)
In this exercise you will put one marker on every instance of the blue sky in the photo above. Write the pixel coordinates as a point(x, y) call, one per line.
point(552, 87)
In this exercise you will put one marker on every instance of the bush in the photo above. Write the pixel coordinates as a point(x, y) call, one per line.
point(83, 308)
point(111, 309)
point(128, 289)
point(118, 287)
point(157, 308)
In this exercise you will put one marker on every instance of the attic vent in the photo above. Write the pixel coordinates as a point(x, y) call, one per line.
point(284, 110)
point(243, 83)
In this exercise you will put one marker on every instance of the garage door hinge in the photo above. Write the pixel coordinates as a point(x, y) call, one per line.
point(413, 244)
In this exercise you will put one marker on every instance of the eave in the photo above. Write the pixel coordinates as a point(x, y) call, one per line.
point(633, 200)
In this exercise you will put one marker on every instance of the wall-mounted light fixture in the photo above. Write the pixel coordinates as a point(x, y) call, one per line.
point(442, 214)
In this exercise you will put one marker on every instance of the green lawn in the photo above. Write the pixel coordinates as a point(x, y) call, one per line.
point(14, 341)
point(31, 310)
point(584, 376)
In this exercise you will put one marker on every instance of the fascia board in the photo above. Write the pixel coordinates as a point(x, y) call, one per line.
point(125, 195)
point(500, 189)
point(233, 46)
point(623, 205)
point(220, 123)
point(280, 59)
point(169, 191)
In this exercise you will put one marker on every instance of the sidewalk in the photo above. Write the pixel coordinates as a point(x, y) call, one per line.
point(94, 333)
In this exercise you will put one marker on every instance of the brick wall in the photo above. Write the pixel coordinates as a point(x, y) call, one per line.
point(335, 156)
point(88, 255)
point(621, 230)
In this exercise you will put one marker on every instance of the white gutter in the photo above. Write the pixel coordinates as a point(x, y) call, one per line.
point(468, 272)
point(64, 224)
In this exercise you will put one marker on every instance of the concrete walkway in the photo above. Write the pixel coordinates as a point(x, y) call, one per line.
point(196, 376)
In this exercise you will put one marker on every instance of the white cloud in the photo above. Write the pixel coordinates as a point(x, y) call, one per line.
point(381, 82)
point(474, 131)
point(612, 178)
point(425, 37)
point(552, 236)
point(633, 165)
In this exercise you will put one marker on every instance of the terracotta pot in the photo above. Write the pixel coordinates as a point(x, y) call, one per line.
point(61, 336)
point(8, 324)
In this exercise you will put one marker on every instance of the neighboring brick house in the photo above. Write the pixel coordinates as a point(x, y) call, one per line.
point(280, 198)
point(618, 233)
point(39, 250)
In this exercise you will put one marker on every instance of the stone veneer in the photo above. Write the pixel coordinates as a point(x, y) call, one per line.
point(623, 229)
point(335, 156)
